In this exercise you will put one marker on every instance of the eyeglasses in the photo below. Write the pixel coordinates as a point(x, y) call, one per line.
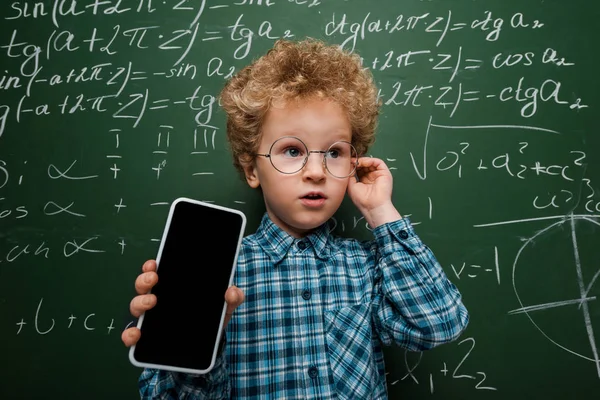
point(289, 155)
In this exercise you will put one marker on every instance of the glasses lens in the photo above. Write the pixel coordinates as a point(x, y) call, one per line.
point(340, 159)
point(288, 154)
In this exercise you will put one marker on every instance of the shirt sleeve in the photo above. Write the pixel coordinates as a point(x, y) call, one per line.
point(415, 305)
point(157, 384)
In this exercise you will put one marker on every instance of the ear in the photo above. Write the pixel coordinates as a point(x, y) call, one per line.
point(251, 174)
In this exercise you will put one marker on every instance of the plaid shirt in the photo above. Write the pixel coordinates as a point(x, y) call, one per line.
point(318, 311)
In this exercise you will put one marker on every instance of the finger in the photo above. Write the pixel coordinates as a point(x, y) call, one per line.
point(368, 163)
point(149, 265)
point(130, 336)
point(234, 296)
point(366, 174)
point(352, 180)
point(145, 281)
point(142, 303)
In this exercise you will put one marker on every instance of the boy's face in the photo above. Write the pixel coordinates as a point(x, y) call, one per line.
point(304, 200)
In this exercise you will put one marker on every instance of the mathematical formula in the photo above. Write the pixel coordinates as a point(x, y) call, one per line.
point(136, 84)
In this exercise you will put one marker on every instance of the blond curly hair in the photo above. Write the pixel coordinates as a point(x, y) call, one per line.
point(298, 70)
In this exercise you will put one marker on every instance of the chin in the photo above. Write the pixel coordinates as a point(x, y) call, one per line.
point(299, 221)
point(309, 222)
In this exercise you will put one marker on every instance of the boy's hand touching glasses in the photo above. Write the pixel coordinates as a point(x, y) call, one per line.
point(371, 191)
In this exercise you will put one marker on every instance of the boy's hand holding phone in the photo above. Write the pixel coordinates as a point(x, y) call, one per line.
point(144, 301)
point(180, 303)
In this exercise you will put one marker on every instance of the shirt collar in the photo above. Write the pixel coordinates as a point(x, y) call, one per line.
point(276, 242)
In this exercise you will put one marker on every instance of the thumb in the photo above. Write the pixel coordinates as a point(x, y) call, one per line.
point(352, 182)
point(233, 297)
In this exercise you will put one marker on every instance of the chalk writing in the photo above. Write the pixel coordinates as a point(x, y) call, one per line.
point(44, 325)
point(109, 109)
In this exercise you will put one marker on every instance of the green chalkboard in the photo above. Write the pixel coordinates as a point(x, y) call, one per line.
point(108, 113)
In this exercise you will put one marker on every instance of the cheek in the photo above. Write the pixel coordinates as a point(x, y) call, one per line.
point(339, 189)
point(277, 186)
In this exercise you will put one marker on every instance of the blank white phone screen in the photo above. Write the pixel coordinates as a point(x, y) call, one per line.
point(194, 270)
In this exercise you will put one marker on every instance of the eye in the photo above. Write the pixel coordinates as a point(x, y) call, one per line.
point(292, 152)
point(333, 153)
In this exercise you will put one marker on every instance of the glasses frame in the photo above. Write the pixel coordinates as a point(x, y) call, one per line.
point(308, 153)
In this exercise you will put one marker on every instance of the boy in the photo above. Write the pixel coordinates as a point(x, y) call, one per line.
point(312, 311)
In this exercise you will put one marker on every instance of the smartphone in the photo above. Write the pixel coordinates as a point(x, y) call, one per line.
point(195, 265)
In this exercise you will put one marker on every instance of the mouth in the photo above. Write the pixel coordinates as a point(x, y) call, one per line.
point(313, 199)
point(314, 196)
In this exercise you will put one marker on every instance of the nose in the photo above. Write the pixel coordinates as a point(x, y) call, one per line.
point(315, 167)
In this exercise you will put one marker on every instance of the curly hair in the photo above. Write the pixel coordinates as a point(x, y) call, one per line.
point(298, 70)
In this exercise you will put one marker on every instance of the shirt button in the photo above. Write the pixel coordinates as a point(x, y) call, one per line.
point(313, 372)
point(403, 234)
point(306, 294)
point(301, 245)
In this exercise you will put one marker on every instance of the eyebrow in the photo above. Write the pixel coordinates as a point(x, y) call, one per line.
point(336, 135)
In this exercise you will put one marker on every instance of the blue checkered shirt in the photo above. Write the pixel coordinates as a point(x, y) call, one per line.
point(318, 311)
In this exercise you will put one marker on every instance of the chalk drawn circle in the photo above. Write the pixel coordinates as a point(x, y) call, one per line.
point(557, 291)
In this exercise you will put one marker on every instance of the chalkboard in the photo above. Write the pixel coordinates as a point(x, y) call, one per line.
point(108, 112)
